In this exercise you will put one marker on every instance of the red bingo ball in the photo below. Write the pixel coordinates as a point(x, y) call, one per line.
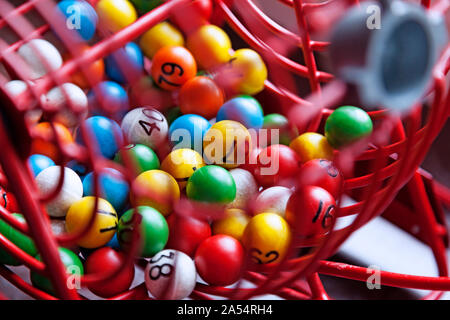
point(186, 233)
point(275, 164)
point(219, 260)
point(310, 211)
point(321, 173)
point(106, 260)
point(8, 201)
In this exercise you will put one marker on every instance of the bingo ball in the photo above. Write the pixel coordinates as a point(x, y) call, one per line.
point(108, 97)
point(172, 66)
point(210, 46)
point(116, 14)
point(103, 228)
point(73, 266)
point(227, 143)
point(211, 184)
point(129, 59)
point(276, 164)
point(19, 91)
point(70, 100)
point(170, 275)
point(243, 109)
point(188, 131)
point(232, 224)
point(311, 145)
point(39, 162)
point(278, 127)
point(145, 126)
point(267, 238)
point(161, 35)
point(199, 12)
point(79, 16)
point(106, 261)
point(157, 189)
point(144, 6)
point(202, 96)
point(246, 72)
point(347, 125)
point(219, 260)
point(105, 134)
point(273, 200)
point(246, 188)
point(151, 227)
point(138, 158)
point(71, 191)
point(8, 201)
point(181, 164)
point(311, 211)
point(193, 232)
point(94, 72)
point(45, 142)
point(41, 57)
point(112, 187)
point(22, 241)
point(321, 173)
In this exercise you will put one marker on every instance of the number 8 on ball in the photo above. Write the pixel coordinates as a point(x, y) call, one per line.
point(170, 275)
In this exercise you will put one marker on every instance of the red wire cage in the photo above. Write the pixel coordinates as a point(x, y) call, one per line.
point(379, 166)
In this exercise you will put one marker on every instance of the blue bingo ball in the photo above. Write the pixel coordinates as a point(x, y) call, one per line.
point(113, 96)
point(243, 109)
point(79, 168)
point(133, 62)
point(188, 131)
point(112, 187)
point(39, 162)
point(80, 16)
point(114, 242)
point(104, 133)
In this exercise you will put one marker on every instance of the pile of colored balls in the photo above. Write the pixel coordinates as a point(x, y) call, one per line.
point(205, 146)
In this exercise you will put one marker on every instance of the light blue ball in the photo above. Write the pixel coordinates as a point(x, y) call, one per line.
point(112, 187)
point(114, 98)
point(104, 133)
point(80, 16)
point(133, 60)
point(188, 131)
point(243, 109)
point(39, 162)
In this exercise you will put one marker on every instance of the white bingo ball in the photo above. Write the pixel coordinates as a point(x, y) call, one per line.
point(71, 191)
point(41, 57)
point(145, 126)
point(273, 200)
point(171, 275)
point(76, 99)
point(246, 188)
point(15, 88)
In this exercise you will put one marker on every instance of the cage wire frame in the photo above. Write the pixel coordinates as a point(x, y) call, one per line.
point(394, 159)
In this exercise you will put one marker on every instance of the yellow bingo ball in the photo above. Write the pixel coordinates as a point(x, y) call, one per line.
point(116, 14)
point(311, 145)
point(161, 35)
point(103, 228)
point(227, 143)
point(247, 72)
point(181, 164)
point(267, 238)
point(210, 46)
point(233, 224)
point(157, 189)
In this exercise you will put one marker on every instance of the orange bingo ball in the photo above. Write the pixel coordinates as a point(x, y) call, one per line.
point(201, 96)
point(95, 71)
point(45, 143)
point(172, 66)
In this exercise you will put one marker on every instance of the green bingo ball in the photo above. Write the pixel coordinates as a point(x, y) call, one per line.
point(346, 125)
point(281, 123)
point(152, 227)
point(143, 157)
point(73, 267)
point(21, 240)
point(144, 6)
point(211, 184)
